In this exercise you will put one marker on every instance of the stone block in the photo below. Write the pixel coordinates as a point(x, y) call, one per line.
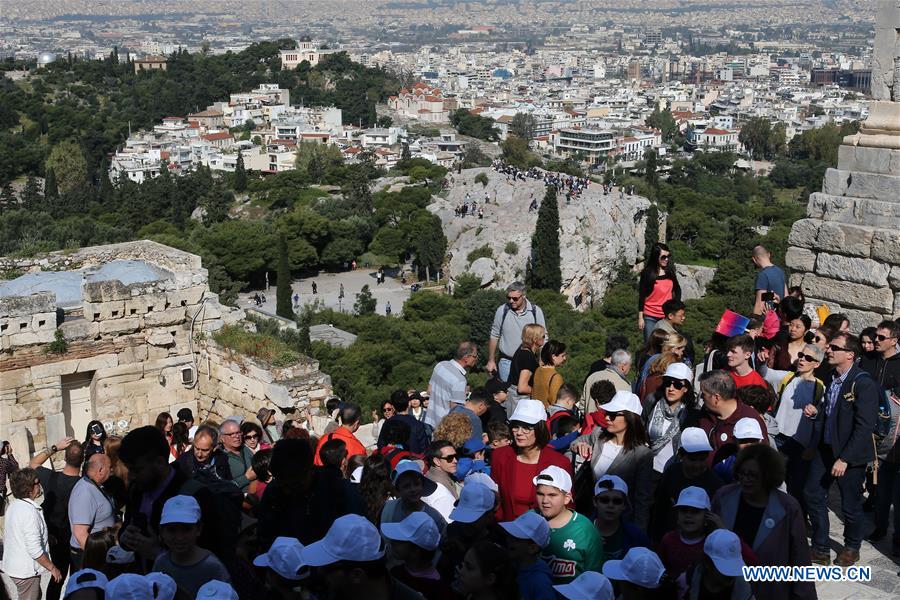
point(55, 369)
point(840, 182)
point(105, 291)
point(161, 318)
point(804, 233)
point(81, 329)
point(256, 388)
point(857, 211)
point(133, 354)
point(25, 306)
point(102, 311)
point(187, 296)
point(44, 321)
point(55, 425)
point(800, 259)
point(894, 277)
point(857, 270)
point(854, 295)
point(869, 160)
point(15, 378)
point(886, 245)
point(117, 326)
point(844, 239)
point(30, 338)
point(278, 394)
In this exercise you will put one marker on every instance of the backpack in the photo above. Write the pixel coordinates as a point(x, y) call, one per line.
point(817, 395)
point(506, 310)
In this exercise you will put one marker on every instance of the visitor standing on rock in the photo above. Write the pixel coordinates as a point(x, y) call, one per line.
point(506, 330)
point(658, 284)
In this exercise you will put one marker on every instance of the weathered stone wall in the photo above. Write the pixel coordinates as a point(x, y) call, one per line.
point(233, 384)
point(846, 253)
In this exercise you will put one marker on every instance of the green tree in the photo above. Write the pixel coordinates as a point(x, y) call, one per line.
point(516, 152)
point(474, 125)
point(545, 269)
point(31, 194)
point(365, 303)
point(67, 162)
point(51, 189)
point(664, 122)
point(756, 136)
point(430, 243)
point(466, 284)
point(240, 175)
point(651, 163)
point(283, 306)
point(522, 125)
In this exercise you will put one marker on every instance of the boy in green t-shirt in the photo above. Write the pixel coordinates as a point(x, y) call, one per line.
point(575, 546)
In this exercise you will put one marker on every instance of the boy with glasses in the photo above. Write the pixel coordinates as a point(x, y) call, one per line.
point(618, 533)
point(845, 447)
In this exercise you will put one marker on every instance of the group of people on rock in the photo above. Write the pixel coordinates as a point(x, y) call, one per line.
point(659, 473)
point(568, 185)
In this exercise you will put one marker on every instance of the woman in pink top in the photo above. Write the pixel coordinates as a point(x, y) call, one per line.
point(658, 284)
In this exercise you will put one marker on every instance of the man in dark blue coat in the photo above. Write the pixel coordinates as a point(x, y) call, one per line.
point(848, 411)
point(418, 437)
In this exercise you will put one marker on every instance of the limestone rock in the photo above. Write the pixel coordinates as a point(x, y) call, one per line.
point(484, 268)
point(857, 270)
point(693, 280)
point(800, 259)
point(598, 231)
point(851, 294)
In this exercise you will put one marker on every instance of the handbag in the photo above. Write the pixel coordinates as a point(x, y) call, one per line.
point(583, 487)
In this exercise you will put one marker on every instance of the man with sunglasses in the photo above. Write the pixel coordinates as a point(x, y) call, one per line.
point(443, 461)
point(885, 368)
point(848, 416)
point(506, 330)
point(797, 437)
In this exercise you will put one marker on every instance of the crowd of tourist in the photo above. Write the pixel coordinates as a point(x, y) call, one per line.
point(661, 477)
point(569, 186)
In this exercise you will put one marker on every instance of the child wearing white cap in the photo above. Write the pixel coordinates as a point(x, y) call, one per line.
point(746, 432)
point(284, 566)
point(639, 575)
point(690, 468)
point(184, 561)
point(587, 586)
point(574, 545)
point(618, 533)
point(682, 548)
point(414, 542)
point(526, 537)
point(719, 573)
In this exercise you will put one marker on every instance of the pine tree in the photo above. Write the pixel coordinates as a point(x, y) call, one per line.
point(283, 307)
point(365, 302)
point(545, 271)
point(240, 175)
point(31, 195)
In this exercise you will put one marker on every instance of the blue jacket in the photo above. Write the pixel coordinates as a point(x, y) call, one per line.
point(853, 418)
point(535, 582)
point(418, 437)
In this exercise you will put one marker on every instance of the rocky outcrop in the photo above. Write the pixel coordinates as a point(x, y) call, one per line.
point(597, 233)
point(846, 253)
point(693, 280)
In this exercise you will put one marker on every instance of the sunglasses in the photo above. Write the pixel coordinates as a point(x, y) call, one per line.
point(450, 458)
point(615, 501)
point(835, 348)
point(613, 415)
point(665, 256)
point(882, 338)
point(807, 358)
point(521, 425)
point(251, 436)
point(672, 382)
point(514, 298)
point(387, 410)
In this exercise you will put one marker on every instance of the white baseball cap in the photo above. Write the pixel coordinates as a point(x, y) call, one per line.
point(86, 578)
point(216, 590)
point(117, 555)
point(694, 497)
point(413, 466)
point(418, 528)
point(556, 477)
point(351, 538)
point(694, 439)
point(747, 429)
point(482, 479)
point(356, 475)
point(529, 526)
point(590, 585)
point(640, 566)
point(723, 547)
point(284, 558)
point(679, 370)
point(529, 411)
point(603, 485)
point(474, 500)
point(180, 509)
point(623, 401)
point(164, 587)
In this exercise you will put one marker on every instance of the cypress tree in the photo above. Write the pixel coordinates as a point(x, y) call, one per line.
point(283, 307)
point(545, 272)
point(51, 189)
point(240, 175)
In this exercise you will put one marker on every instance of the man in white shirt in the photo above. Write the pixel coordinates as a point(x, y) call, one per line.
point(448, 382)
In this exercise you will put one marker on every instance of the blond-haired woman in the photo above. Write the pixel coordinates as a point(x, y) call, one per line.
point(676, 344)
point(524, 365)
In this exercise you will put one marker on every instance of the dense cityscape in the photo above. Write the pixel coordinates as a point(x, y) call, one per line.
point(450, 299)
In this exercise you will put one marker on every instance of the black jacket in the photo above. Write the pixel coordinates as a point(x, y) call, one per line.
point(418, 437)
point(853, 418)
point(885, 371)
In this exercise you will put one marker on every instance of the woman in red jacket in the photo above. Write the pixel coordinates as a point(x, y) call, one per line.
point(514, 467)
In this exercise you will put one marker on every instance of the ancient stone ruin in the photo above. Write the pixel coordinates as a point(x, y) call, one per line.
point(846, 252)
point(120, 333)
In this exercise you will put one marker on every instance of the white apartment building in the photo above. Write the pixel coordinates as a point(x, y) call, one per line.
point(593, 144)
point(308, 51)
point(712, 139)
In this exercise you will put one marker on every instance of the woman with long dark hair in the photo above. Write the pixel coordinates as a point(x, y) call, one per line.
point(94, 438)
point(621, 449)
point(671, 406)
point(658, 284)
point(375, 486)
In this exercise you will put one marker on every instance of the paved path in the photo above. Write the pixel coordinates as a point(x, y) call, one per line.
point(329, 285)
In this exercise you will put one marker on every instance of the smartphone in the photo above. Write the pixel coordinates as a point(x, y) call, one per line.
point(768, 296)
point(96, 429)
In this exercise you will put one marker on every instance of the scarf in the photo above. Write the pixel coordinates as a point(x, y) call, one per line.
point(663, 425)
